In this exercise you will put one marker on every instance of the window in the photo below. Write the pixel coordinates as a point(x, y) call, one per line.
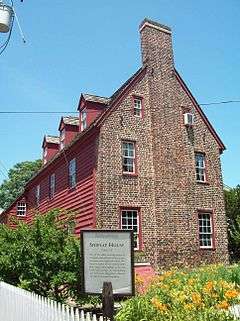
point(128, 157)
point(205, 230)
point(62, 138)
point(137, 107)
point(83, 120)
point(200, 164)
point(130, 221)
point(45, 151)
point(21, 209)
point(37, 195)
point(52, 185)
point(72, 173)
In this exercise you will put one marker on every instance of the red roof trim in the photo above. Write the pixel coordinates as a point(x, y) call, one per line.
point(199, 109)
point(120, 97)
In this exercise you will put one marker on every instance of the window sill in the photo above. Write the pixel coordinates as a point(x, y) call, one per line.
point(207, 248)
point(21, 215)
point(129, 174)
point(202, 183)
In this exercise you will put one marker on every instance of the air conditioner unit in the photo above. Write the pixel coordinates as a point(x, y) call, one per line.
point(188, 119)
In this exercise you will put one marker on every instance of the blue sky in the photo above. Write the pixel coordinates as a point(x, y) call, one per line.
point(93, 46)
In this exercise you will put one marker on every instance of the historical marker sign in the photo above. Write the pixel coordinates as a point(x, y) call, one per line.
point(107, 257)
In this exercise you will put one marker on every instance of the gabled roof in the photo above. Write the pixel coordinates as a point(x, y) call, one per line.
point(112, 103)
point(51, 139)
point(201, 113)
point(71, 120)
point(117, 98)
point(94, 99)
point(121, 93)
point(121, 89)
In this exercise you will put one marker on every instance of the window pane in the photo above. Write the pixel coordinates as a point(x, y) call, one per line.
point(129, 221)
point(205, 230)
point(21, 208)
point(200, 167)
point(128, 157)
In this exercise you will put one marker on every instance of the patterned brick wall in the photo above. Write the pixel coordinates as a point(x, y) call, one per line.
point(165, 188)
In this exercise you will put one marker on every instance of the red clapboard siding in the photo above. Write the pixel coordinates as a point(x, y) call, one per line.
point(80, 199)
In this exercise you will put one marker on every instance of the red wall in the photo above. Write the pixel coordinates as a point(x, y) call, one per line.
point(70, 132)
point(93, 110)
point(52, 150)
point(80, 199)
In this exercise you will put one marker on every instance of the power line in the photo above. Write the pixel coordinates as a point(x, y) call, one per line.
point(221, 102)
point(75, 112)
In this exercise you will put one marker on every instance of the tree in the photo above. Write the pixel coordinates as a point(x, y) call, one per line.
point(17, 178)
point(232, 204)
point(43, 258)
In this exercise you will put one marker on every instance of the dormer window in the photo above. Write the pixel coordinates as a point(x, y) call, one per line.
point(83, 120)
point(137, 108)
point(45, 155)
point(62, 138)
point(21, 208)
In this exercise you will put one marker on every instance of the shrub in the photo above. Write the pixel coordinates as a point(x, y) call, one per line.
point(198, 295)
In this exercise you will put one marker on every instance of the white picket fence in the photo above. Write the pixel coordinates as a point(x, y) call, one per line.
point(19, 305)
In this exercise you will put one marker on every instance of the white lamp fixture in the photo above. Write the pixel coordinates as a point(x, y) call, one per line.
point(6, 15)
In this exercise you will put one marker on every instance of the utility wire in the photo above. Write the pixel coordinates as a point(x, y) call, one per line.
point(221, 102)
point(75, 112)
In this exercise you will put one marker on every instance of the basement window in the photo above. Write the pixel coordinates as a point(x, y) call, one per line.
point(21, 209)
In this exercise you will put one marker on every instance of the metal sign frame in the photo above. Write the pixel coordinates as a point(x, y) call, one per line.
point(131, 237)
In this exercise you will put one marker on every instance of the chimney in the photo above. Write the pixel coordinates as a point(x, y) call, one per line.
point(156, 46)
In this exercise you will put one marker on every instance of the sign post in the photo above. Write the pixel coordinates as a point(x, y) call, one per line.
point(107, 264)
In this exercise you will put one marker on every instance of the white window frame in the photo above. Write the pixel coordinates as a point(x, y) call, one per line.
point(45, 151)
point(137, 108)
point(21, 208)
point(200, 167)
point(128, 157)
point(130, 221)
point(38, 194)
point(52, 185)
point(83, 120)
point(205, 229)
point(72, 173)
point(62, 138)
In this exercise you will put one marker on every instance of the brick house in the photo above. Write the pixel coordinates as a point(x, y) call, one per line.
point(145, 158)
